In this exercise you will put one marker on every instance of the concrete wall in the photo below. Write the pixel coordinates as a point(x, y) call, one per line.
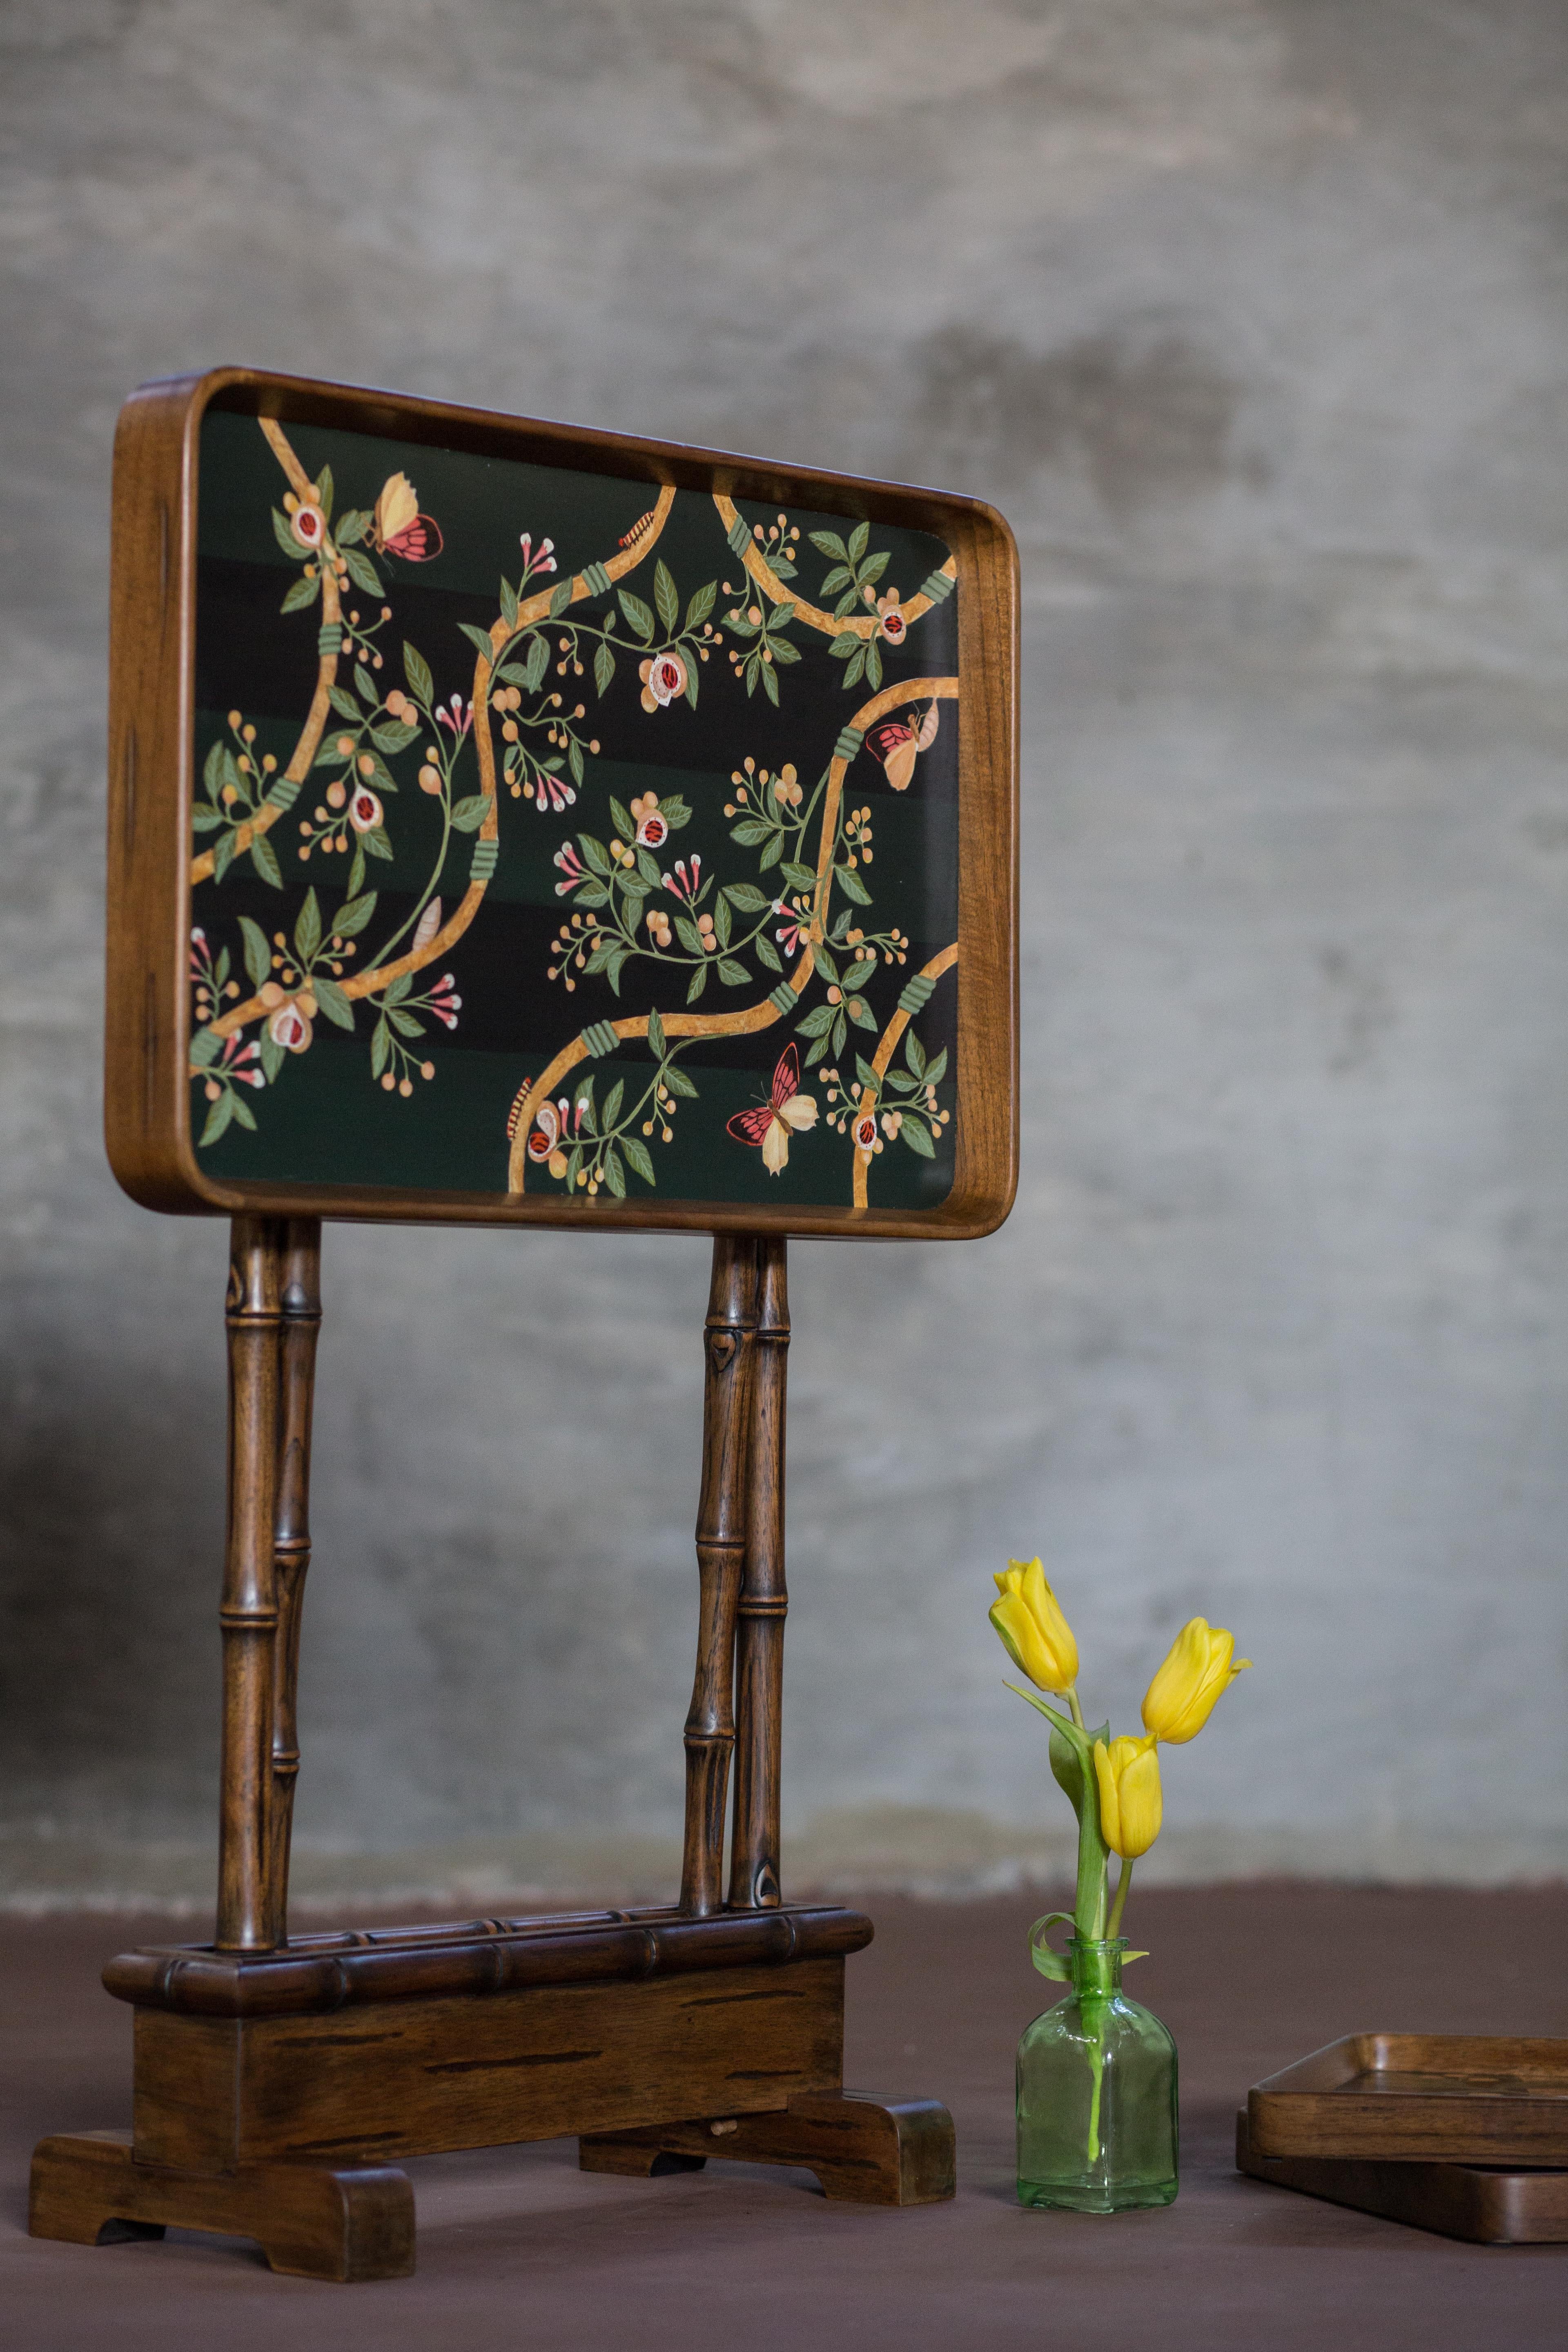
point(1250, 315)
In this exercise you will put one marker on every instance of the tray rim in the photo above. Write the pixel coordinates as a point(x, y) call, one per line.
point(1475, 2204)
point(1304, 2111)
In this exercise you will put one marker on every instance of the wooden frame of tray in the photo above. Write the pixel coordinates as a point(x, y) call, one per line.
point(1485, 2204)
point(1455, 2099)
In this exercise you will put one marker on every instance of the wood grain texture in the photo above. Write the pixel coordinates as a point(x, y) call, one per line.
point(147, 1106)
point(721, 1527)
point(1489, 2207)
point(763, 1600)
point(865, 2150)
point(312, 2221)
point(405, 2078)
point(1477, 2098)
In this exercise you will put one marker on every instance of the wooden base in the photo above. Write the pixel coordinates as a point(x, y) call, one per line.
point(312, 2220)
point(274, 2091)
point(865, 2150)
point(1490, 2207)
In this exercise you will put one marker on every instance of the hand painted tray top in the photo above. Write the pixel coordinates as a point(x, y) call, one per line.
point(562, 835)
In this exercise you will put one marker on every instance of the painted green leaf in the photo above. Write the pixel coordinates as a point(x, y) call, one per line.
point(655, 1044)
point(257, 952)
point(915, 1134)
point(858, 538)
point(273, 1057)
point(699, 983)
point(817, 1022)
point(308, 928)
point(860, 1012)
point(665, 597)
point(746, 897)
point(361, 571)
point(613, 1176)
point(304, 592)
point(827, 543)
point(843, 646)
point(398, 989)
point(620, 817)
point(508, 603)
point(218, 1117)
point(264, 858)
point(690, 938)
point(612, 1110)
point(675, 1079)
point(849, 882)
point(721, 919)
point(337, 1007)
point(560, 599)
point(325, 492)
point(416, 670)
point(640, 620)
point(479, 639)
point(376, 843)
point(733, 974)
point(379, 1046)
point(639, 1156)
point(393, 735)
point(537, 664)
point(369, 692)
point(296, 554)
point(914, 1052)
point(223, 857)
point(406, 1023)
point(469, 815)
point(604, 665)
point(749, 832)
point(700, 607)
point(936, 1071)
point(205, 1046)
point(767, 953)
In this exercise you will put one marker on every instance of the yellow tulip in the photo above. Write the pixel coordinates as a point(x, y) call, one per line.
point(1035, 1633)
point(1182, 1697)
point(1131, 1806)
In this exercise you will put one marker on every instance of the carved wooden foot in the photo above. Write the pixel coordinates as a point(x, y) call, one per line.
point(313, 2221)
point(867, 2150)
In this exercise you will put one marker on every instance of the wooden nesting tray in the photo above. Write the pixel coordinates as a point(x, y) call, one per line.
point(1486, 2204)
point(1431, 2098)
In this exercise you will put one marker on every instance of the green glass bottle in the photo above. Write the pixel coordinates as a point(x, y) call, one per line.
point(1097, 2095)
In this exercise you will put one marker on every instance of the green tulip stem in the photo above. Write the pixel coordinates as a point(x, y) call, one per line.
point(1076, 1710)
point(1122, 1884)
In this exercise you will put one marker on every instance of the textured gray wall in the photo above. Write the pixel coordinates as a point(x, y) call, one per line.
point(1249, 313)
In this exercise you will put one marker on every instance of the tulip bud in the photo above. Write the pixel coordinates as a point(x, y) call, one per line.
point(1182, 1697)
point(1035, 1633)
point(1131, 1808)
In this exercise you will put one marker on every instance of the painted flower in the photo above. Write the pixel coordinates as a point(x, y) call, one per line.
point(788, 932)
point(652, 831)
point(444, 1000)
point(308, 524)
point(543, 561)
point(663, 678)
point(290, 1026)
point(573, 867)
point(459, 717)
point(891, 621)
point(683, 885)
point(866, 1134)
point(546, 1131)
point(233, 1058)
point(365, 811)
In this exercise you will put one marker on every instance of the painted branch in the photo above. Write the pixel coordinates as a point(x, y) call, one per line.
point(248, 1907)
point(720, 1548)
point(302, 1306)
point(759, 1673)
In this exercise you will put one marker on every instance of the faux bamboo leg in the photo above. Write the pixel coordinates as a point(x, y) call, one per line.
point(721, 1548)
point(249, 1905)
point(758, 1674)
point(302, 1305)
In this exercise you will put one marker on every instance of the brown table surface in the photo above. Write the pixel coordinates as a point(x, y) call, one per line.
point(517, 2247)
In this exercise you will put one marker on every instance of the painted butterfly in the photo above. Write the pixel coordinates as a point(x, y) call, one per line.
point(771, 1123)
point(897, 741)
point(398, 528)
